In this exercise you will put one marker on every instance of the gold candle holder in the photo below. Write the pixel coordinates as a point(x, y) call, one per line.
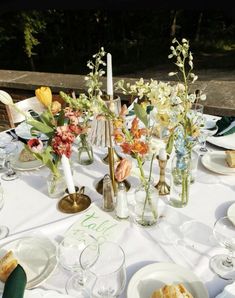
point(117, 157)
point(75, 202)
point(162, 187)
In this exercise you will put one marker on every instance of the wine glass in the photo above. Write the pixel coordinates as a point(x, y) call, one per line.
point(68, 254)
point(4, 231)
point(109, 270)
point(224, 232)
point(11, 150)
point(207, 131)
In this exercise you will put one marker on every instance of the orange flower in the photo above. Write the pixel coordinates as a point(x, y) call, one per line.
point(126, 148)
point(118, 123)
point(118, 136)
point(140, 147)
point(136, 131)
point(123, 169)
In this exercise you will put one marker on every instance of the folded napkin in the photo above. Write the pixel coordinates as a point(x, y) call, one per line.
point(15, 284)
point(226, 126)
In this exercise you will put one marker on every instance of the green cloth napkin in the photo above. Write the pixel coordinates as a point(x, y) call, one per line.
point(223, 123)
point(15, 284)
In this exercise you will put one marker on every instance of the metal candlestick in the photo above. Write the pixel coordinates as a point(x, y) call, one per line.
point(75, 202)
point(162, 187)
point(117, 157)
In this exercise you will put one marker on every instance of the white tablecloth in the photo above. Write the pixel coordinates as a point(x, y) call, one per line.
point(28, 209)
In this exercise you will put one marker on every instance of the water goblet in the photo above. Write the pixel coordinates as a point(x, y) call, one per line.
point(68, 254)
point(224, 232)
point(109, 270)
point(11, 150)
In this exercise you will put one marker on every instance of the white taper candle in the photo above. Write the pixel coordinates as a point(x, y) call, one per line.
point(162, 154)
point(109, 75)
point(68, 174)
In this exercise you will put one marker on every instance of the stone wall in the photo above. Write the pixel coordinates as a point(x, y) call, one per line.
point(22, 84)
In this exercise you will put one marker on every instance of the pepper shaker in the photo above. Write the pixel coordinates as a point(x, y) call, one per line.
point(108, 194)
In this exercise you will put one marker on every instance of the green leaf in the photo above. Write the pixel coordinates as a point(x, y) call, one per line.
point(141, 114)
point(61, 119)
point(47, 118)
point(169, 145)
point(42, 127)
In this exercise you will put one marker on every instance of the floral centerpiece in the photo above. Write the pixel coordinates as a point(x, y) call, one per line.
point(171, 106)
point(89, 103)
point(60, 126)
point(134, 142)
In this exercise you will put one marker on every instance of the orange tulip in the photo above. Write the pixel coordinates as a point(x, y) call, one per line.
point(123, 169)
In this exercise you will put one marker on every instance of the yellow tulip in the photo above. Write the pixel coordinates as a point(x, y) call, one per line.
point(44, 95)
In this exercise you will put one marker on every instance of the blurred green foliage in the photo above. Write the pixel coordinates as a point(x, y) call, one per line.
point(63, 40)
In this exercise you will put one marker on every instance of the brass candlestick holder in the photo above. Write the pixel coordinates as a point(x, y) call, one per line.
point(75, 202)
point(116, 156)
point(162, 187)
point(99, 185)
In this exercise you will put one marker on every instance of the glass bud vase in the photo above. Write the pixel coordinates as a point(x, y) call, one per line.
point(85, 151)
point(180, 180)
point(145, 209)
point(56, 185)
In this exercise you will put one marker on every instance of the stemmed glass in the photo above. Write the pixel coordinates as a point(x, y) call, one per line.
point(68, 254)
point(224, 232)
point(206, 132)
point(11, 150)
point(109, 270)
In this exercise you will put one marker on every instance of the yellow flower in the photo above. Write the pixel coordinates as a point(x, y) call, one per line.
point(55, 107)
point(44, 95)
point(163, 119)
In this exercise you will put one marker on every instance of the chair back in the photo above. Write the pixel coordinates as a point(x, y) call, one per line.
point(31, 103)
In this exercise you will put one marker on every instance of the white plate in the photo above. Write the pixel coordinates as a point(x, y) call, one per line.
point(152, 277)
point(23, 131)
point(40, 293)
point(37, 255)
point(27, 165)
point(227, 142)
point(231, 213)
point(215, 161)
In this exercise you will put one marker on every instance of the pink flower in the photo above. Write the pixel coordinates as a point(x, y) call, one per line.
point(60, 147)
point(123, 169)
point(35, 145)
point(65, 134)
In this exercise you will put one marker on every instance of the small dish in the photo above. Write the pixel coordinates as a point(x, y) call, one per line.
point(37, 255)
point(154, 276)
point(215, 162)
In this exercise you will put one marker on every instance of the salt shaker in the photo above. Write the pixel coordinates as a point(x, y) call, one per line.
point(108, 194)
point(121, 202)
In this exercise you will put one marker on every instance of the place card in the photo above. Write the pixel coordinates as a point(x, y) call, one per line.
point(99, 224)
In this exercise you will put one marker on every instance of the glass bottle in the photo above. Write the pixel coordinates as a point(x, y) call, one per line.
point(56, 184)
point(145, 210)
point(121, 202)
point(108, 194)
point(180, 180)
point(85, 151)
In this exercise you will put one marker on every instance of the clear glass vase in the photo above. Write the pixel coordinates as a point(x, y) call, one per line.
point(145, 209)
point(85, 151)
point(56, 185)
point(180, 180)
